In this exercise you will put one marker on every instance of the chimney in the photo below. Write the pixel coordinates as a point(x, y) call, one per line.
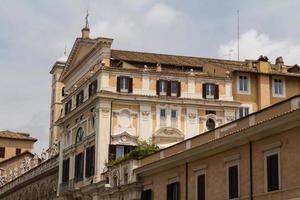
point(279, 63)
point(263, 64)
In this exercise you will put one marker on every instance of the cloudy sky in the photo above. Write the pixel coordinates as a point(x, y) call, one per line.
point(33, 35)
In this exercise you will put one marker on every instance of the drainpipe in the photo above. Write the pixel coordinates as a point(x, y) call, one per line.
point(186, 180)
point(251, 170)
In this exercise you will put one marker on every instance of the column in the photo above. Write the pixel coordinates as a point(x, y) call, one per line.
point(102, 137)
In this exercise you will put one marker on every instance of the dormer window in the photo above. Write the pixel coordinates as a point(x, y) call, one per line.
point(68, 107)
point(124, 84)
point(93, 88)
point(79, 98)
point(210, 91)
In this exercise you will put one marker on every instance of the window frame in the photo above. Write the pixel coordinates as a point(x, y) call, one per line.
point(232, 164)
point(2, 149)
point(210, 93)
point(165, 92)
point(274, 89)
point(93, 86)
point(199, 173)
point(266, 155)
point(239, 91)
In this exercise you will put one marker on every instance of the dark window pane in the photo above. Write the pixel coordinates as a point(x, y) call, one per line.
point(233, 182)
point(18, 151)
point(272, 172)
point(146, 195)
point(201, 187)
point(2, 152)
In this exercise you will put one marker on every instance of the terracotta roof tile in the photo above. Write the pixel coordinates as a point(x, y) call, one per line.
point(16, 135)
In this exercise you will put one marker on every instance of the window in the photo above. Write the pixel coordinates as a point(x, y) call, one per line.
point(79, 160)
point(65, 170)
point(173, 191)
point(119, 152)
point(174, 114)
point(210, 91)
point(210, 112)
point(90, 161)
point(272, 172)
point(68, 107)
point(201, 187)
point(168, 88)
point(18, 151)
point(210, 124)
point(124, 84)
point(79, 135)
point(243, 84)
point(243, 111)
point(93, 88)
point(233, 182)
point(2, 152)
point(79, 98)
point(162, 113)
point(146, 195)
point(278, 87)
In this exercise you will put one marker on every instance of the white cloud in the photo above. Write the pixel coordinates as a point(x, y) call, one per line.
point(253, 44)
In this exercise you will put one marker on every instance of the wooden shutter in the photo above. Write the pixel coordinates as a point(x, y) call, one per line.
point(168, 88)
point(216, 91)
point(112, 152)
point(157, 87)
point(130, 85)
point(118, 84)
point(204, 91)
point(201, 187)
point(178, 89)
point(233, 182)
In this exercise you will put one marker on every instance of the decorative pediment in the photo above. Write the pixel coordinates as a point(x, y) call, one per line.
point(168, 135)
point(124, 139)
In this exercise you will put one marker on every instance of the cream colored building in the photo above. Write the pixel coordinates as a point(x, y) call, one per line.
point(14, 143)
point(104, 99)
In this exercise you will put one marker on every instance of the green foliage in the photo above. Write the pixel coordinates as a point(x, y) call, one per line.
point(142, 149)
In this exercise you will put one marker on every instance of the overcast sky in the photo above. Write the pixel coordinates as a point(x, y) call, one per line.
point(33, 35)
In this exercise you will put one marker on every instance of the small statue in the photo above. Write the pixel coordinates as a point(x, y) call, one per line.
point(44, 155)
point(35, 160)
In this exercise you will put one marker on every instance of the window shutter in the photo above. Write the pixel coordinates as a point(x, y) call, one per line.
point(118, 84)
point(178, 89)
point(204, 91)
point(157, 87)
point(130, 85)
point(168, 88)
point(216, 91)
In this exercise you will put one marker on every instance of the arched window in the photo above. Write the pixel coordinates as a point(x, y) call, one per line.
point(210, 124)
point(79, 135)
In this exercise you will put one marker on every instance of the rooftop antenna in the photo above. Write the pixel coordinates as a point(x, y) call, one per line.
point(87, 19)
point(238, 35)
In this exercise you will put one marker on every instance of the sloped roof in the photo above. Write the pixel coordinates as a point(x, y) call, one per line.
point(16, 135)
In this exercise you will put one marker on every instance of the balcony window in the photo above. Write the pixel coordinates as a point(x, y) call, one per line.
point(79, 98)
point(210, 91)
point(124, 84)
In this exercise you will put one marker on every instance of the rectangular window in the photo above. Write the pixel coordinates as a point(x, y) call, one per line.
point(163, 87)
point(79, 161)
point(233, 182)
point(79, 98)
point(174, 114)
point(119, 152)
point(146, 195)
point(2, 152)
point(124, 84)
point(173, 191)
point(93, 88)
point(272, 172)
point(278, 87)
point(18, 151)
point(243, 84)
point(210, 91)
point(65, 171)
point(243, 111)
point(201, 187)
point(68, 107)
point(162, 113)
point(174, 88)
point(90, 161)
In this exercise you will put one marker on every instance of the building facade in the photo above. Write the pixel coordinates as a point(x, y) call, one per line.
point(103, 100)
point(14, 143)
